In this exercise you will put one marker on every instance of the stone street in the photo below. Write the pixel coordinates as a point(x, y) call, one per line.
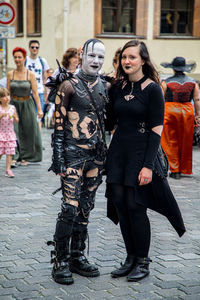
point(28, 212)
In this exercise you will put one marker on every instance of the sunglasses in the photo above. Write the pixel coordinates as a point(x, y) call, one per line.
point(34, 47)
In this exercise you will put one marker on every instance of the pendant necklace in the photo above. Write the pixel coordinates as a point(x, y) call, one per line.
point(90, 85)
point(130, 96)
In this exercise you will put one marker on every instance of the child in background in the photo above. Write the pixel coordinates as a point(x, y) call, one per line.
point(49, 113)
point(8, 116)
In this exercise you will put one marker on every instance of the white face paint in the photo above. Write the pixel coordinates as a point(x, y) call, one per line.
point(93, 59)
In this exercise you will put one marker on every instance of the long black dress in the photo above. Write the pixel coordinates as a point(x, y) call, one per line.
point(126, 154)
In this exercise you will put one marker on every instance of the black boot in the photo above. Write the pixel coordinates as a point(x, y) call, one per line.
point(60, 256)
point(175, 175)
point(78, 262)
point(125, 268)
point(140, 270)
point(61, 273)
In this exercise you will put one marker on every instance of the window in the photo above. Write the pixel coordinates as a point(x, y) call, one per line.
point(176, 17)
point(34, 17)
point(18, 23)
point(118, 16)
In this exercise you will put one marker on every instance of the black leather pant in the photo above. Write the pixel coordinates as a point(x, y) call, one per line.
point(83, 176)
point(80, 184)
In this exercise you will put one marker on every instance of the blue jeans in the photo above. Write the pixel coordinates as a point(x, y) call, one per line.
point(42, 101)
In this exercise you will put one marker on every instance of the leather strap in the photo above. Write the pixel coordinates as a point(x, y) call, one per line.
point(96, 111)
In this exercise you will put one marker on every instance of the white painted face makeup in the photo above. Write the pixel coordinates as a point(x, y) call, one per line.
point(93, 59)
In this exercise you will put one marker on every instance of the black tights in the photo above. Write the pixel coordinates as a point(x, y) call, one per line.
point(133, 219)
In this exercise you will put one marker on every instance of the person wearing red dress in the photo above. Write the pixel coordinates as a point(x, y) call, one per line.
point(179, 119)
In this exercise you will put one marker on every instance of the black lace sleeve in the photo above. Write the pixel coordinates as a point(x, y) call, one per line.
point(61, 105)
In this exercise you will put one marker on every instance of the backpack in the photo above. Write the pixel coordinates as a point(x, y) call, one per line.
point(54, 82)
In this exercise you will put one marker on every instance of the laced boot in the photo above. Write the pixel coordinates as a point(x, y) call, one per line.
point(140, 270)
point(78, 262)
point(125, 268)
point(60, 258)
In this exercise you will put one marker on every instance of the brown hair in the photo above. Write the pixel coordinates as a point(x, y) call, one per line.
point(116, 56)
point(22, 50)
point(148, 68)
point(33, 42)
point(3, 92)
point(69, 53)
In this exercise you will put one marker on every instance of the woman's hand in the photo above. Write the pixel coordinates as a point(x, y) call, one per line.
point(197, 120)
point(40, 114)
point(145, 176)
point(3, 115)
point(15, 117)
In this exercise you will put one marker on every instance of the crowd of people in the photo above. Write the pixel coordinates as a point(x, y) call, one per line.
point(28, 94)
point(141, 112)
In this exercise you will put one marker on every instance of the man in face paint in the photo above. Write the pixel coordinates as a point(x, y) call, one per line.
point(93, 57)
point(78, 158)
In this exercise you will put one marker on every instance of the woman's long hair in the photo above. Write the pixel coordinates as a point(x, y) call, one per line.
point(148, 68)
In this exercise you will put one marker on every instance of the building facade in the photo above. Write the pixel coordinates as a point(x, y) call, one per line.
point(169, 27)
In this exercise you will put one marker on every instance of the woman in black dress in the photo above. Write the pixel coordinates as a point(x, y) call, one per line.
point(135, 180)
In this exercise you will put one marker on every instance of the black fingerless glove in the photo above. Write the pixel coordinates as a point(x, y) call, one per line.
point(152, 150)
point(58, 161)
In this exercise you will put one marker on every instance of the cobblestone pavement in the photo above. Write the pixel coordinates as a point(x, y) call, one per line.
point(28, 211)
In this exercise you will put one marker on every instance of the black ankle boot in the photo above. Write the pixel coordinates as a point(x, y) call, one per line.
point(140, 270)
point(78, 262)
point(61, 273)
point(60, 259)
point(125, 268)
point(80, 265)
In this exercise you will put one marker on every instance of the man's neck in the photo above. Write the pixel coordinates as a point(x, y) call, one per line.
point(33, 56)
point(87, 77)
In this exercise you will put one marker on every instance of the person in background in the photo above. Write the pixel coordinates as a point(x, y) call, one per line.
point(135, 178)
point(50, 73)
point(78, 158)
point(8, 116)
point(39, 66)
point(69, 61)
point(49, 111)
point(79, 55)
point(3, 82)
point(196, 138)
point(178, 131)
point(20, 83)
point(113, 74)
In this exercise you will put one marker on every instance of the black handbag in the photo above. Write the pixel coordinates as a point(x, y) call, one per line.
point(163, 160)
